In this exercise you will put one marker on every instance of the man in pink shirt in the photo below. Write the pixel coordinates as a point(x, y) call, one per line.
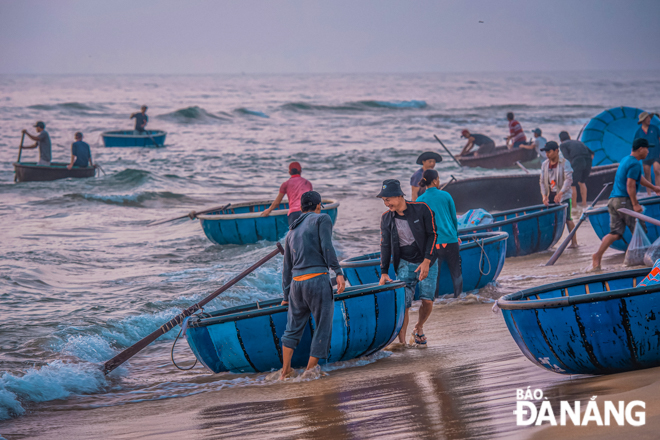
point(516, 133)
point(293, 188)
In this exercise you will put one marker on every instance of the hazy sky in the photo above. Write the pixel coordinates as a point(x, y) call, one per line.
point(305, 36)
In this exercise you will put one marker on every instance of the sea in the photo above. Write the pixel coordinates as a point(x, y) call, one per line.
point(83, 276)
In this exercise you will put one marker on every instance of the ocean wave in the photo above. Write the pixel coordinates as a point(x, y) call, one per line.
point(356, 106)
point(137, 199)
point(394, 104)
point(192, 115)
point(70, 107)
point(245, 111)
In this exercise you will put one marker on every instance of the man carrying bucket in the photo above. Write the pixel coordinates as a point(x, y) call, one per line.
point(42, 139)
point(408, 235)
point(293, 189)
point(308, 254)
point(141, 119)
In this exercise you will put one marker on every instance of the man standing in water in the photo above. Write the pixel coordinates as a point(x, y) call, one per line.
point(556, 181)
point(42, 139)
point(408, 235)
point(624, 195)
point(308, 254)
point(516, 133)
point(81, 155)
point(486, 145)
point(141, 119)
point(580, 157)
point(293, 189)
point(652, 134)
point(427, 161)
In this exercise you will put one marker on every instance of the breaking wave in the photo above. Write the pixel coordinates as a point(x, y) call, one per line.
point(194, 114)
point(136, 199)
point(356, 106)
point(245, 111)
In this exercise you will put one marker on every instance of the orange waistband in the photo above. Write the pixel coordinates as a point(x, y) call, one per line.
point(308, 276)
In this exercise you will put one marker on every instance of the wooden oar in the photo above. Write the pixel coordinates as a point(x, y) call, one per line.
point(448, 152)
point(583, 217)
point(20, 150)
point(646, 218)
point(522, 167)
point(177, 320)
point(154, 140)
point(195, 213)
point(450, 181)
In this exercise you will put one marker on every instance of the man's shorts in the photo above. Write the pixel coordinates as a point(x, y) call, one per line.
point(618, 221)
point(581, 169)
point(427, 286)
point(569, 202)
point(651, 161)
point(486, 149)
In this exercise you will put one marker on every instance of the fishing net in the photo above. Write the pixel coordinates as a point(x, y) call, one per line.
point(652, 255)
point(474, 217)
point(639, 244)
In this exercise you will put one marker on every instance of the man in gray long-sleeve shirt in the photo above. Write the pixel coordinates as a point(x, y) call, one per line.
point(308, 253)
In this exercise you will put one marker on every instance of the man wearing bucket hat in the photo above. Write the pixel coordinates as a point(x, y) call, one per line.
point(308, 256)
point(293, 189)
point(42, 139)
point(486, 145)
point(651, 133)
point(408, 234)
point(624, 195)
point(427, 161)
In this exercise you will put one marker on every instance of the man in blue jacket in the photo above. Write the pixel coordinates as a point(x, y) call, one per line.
point(308, 253)
point(408, 235)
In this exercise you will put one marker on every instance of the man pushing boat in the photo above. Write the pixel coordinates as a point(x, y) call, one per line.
point(408, 235)
point(308, 256)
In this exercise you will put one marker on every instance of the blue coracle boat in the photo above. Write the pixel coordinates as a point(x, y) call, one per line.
point(482, 256)
point(593, 325)
point(242, 223)
point(130, 138)
point(246, 339)
point(531, 229)
point(600, 221)
point(610, 134)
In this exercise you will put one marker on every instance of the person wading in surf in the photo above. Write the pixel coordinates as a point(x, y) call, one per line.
point(624, 195)
point(556, 180)
point(408, 235)
point(447, 246)
point(308, 254)
point(427, 161)
point(293, 189)
point(42, 139)
point(141, 119)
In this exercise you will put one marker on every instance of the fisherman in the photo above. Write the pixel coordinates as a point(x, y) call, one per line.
point(556, 181)
point(42, 139)
point(486, 145)
point(580, 157)
point(447, 246)
point(652, 134)
point(408, 236)
point(81, 155)
point(141, 119)
point(624, 195)
point(308, 253)
point(516, 133)
point(536, 143)
point(427, 161)
point(293, 189)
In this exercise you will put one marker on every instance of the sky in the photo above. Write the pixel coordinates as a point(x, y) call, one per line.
point(308, 36)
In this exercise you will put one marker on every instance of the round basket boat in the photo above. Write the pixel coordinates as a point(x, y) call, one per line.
point(600, 221)
point(131, 138)
point(600, 324)
point(531, 229)
point(242, 223)
point(31, 172)
point(246, 339)
point(482, 258)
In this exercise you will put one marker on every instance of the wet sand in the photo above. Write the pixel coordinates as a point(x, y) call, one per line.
point(462, 386)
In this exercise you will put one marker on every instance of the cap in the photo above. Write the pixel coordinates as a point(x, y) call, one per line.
point(428, 155)
point(564, 136)
point(641, 143)
point(309, 200)
point(537, 131)
point(642, 116)
point(295, 166)
point(551, 145)
point(465, 133)
point(391, 188)
point(40, 124)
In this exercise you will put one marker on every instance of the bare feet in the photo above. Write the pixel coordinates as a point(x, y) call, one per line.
point(595, 265)
point(287, 375)
point(573, 245)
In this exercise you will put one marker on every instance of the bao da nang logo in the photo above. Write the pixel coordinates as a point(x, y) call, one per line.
point(619, 413)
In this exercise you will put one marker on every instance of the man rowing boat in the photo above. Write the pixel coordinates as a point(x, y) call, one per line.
point(141, 119)
point(42, 139)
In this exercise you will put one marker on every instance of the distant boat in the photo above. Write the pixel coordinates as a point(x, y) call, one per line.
point(502, 157)
point(130, 138)
point(31, 172)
